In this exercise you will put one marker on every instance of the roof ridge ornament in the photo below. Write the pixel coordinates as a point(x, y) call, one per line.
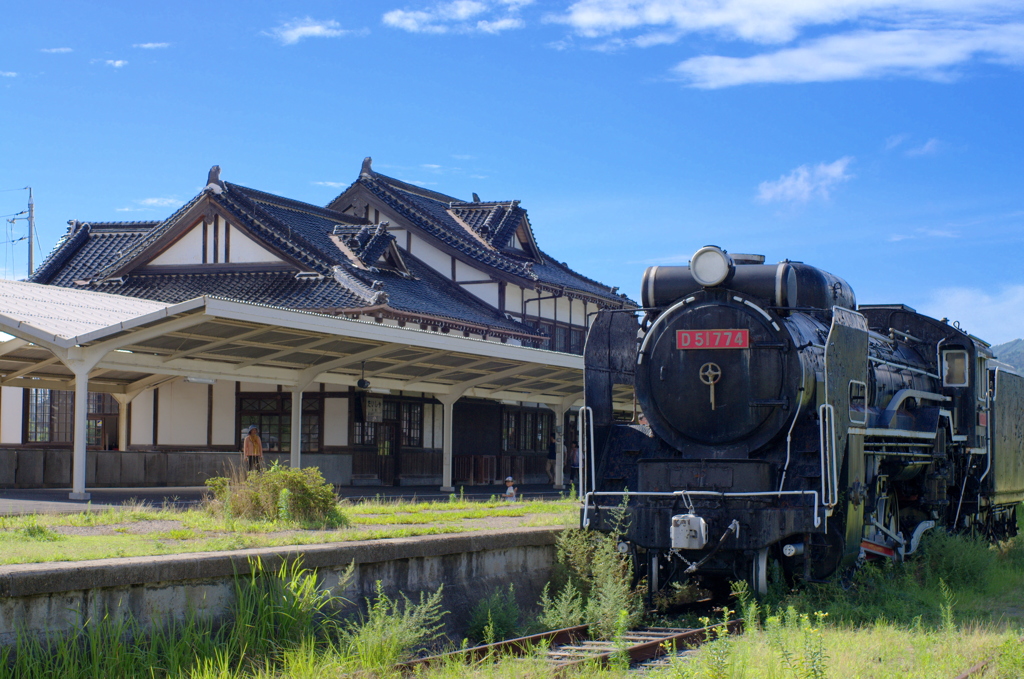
point(367, 169)
point(213, 181)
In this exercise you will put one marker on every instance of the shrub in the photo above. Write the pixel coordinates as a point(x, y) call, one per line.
point(496, 618)
point(391, 629)
point(279, 493)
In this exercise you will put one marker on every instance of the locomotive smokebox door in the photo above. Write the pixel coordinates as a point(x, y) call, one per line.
point(689, 531)
point(842, 418)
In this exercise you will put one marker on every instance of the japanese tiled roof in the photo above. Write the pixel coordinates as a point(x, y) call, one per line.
point(92, 252)
point(490, 226)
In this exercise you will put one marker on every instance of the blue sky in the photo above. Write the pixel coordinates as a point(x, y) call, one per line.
point(880, 140)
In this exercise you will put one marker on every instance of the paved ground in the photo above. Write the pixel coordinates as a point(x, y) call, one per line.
point(55, 500)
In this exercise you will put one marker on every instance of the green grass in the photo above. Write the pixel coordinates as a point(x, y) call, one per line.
point(39, 538)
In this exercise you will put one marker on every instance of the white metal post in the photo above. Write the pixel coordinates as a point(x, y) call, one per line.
point(448, 401)
point(81, 422)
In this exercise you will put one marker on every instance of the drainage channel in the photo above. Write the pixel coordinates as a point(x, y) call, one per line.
point(570, 648)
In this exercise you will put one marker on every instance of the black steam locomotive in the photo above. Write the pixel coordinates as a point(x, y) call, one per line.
point(756, 412)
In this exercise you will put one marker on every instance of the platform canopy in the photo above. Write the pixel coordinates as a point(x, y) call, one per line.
point(63, 338)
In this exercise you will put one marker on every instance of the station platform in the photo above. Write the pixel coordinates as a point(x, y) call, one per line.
point(55, 500)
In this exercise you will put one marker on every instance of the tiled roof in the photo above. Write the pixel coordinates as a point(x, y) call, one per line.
point(430, 211)
point(303, 231)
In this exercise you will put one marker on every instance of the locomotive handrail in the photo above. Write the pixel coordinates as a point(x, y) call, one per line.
point(827, 445)
point(687, 494)
point(902, 395)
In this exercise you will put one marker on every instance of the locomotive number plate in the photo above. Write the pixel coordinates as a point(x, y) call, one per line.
point(712, 339)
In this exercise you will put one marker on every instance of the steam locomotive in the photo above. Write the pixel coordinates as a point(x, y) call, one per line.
point(756, 413)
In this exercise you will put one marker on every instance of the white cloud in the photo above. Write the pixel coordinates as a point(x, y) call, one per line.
point(57, 50)
point(116, 63)
point(431, 166)
point(460, 16)
point(853, 39)
point(765, 21)
point(928, 54)
point(894, 141)
point(995, 317)
point(8, 74)
point(158, 202)
point(333, 185)
point(295, 30)
point(152, 45)
point(805, 182)
point(929, 148)
point(924, 233)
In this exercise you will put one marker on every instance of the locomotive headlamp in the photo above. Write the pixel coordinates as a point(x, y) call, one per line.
point(710, 266)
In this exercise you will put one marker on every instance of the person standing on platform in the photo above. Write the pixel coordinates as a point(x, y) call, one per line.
point(552, 456)
point(510, 490)
point(252, 450)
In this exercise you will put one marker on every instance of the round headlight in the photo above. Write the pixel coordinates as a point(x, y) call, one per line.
point(710, 266)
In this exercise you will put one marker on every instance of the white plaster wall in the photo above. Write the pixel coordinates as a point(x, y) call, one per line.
point(486, 292)
point(513, 298)
point(428, 425)
point(182, 414)
point(399, 235)
point(246, 250)
point(433, 257)
point(224, 413)
point(335, 421)
point(547, 308)
point(579, 312)
point(563, 304)
point(12, 400)
point(188, 249)
point(142, 419)
point(465, 272)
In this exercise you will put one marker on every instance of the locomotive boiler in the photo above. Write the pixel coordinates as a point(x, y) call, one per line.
point(756, 413)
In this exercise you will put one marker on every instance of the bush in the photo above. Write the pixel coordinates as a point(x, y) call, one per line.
point(496, 618)
point(282, 493)
point(391, 629)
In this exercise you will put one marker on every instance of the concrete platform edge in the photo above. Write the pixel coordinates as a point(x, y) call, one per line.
point(54, 577)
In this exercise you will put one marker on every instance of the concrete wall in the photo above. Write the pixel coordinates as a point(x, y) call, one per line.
point(142, 419)
point(224, 413)
point(335, 422)
point(60, 597)
point(51, 468)
point(183, 414)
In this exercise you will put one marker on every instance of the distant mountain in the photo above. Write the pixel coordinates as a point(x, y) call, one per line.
point(1012, 352)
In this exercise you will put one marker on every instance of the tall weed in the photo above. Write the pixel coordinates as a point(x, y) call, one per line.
point(496, 618)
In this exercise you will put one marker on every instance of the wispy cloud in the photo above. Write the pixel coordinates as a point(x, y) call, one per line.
point(924, 232)
point(805, 183)
point(8, 74)
point(460, 16)
point(333, 185)
point(994, 316)
point(929, 148)
point(152, 45)
point(295, 30)
point(853, 39)
point(147, 204)
point(926, 54)
point(57, 50)
point(116, 63)
point(894, 141)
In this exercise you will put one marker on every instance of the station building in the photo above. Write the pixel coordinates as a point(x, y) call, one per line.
point(397, 336)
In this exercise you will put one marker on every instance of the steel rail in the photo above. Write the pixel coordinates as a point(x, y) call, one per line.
point(569, 648)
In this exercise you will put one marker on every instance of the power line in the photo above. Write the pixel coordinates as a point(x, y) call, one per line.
point(23, 188)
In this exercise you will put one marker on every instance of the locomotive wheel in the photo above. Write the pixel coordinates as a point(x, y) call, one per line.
point(891, 521)
point(759, 572)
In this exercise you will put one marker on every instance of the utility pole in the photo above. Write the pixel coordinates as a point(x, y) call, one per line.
point(31, 232)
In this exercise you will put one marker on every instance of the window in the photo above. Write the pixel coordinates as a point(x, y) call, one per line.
point(412, 424)
point(51, 416)
point(272, 415)
point(526, 430)
point(576, 340)
point(404, 415)
point(858, 402)
point(954, 368)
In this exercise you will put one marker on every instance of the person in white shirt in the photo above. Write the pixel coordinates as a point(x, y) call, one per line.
point(510, 490)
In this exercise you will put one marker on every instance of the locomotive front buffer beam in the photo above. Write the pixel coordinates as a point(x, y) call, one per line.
point(665, 527)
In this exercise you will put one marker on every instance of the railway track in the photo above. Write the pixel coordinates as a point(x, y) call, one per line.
point(570, 648)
